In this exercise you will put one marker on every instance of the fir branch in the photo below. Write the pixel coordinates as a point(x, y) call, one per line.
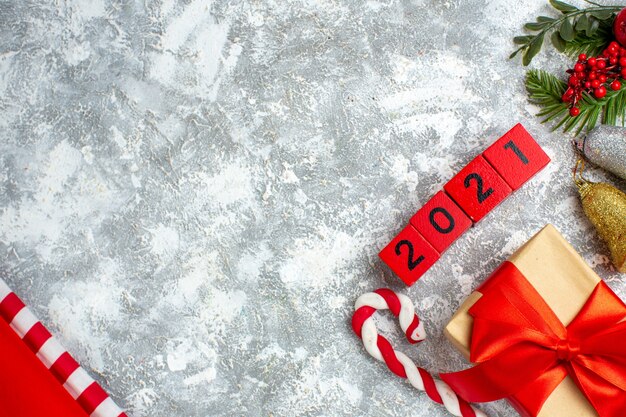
point(565, 30)
point(546, 90)
point(614, 107)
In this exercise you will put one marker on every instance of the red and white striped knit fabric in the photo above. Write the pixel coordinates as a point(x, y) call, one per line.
point(87, 392)
point(380, 348)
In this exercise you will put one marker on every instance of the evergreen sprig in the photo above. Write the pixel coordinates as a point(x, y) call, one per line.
point(576, 31)
point(546, 91)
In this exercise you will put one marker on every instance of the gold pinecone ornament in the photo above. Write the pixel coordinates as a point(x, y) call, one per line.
point(605, 206)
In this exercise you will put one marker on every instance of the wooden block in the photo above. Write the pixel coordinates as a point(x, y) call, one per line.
point(441, 221)
point(516, 156)
point(477, 189)
point(409, 255)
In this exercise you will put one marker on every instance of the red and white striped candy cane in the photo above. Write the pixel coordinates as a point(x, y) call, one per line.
point(380, 348)
point(87, 392)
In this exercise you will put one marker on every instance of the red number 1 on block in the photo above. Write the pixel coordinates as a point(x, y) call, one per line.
point(516, 156)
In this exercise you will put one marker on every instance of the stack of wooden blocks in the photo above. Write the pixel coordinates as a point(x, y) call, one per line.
point(476, 190)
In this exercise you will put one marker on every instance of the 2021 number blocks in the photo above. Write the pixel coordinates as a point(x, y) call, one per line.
point(470, 195)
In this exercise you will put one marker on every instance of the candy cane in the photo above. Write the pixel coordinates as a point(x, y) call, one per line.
point(380, 348)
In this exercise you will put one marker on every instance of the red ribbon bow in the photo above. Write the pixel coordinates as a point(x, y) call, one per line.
point(521, 348)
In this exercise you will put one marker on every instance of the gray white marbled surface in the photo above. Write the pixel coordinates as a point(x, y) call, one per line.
point(193, 193)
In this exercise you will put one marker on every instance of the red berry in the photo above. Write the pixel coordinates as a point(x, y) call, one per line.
point(592, 62)
point(601, 64)
point(600, 92)
point(587, 84)
point(574, 111)
point(613, 60)
point(602, 78)
point(623, 73)
point(616, 85)
point(592, 76)
point(622, 51)
point(582, 57)
point(622, 62)
point(567, 95)
point(614, 44)
point(579, 67)
point(619, 28)
point(595, 83)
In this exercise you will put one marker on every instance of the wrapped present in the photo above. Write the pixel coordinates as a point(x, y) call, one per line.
point(544, 332)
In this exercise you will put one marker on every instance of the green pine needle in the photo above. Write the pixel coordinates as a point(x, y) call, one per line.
point(546, 90)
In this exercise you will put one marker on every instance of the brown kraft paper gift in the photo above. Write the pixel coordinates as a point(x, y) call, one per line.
point(565, 282)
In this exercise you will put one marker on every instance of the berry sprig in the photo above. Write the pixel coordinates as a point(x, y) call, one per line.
point(594, 75)
point(547, 90)
point(595, 91)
